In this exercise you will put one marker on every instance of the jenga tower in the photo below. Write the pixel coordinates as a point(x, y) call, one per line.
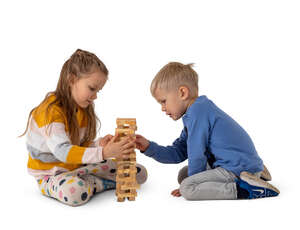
point(126, 168)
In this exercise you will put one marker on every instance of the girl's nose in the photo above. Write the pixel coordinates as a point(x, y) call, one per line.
point(94, 96)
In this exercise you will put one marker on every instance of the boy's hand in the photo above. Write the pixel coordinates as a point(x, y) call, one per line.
point(104, 140)
point(141, 143)
point(119, 149)
point(176, 193)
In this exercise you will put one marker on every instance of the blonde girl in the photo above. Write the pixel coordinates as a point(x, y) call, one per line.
point(63, 156)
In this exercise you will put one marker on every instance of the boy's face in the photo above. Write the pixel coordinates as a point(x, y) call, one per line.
point(84, 89)
point(173, 103)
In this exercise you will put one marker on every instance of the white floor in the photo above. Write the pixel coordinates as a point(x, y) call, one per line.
point(154, 208)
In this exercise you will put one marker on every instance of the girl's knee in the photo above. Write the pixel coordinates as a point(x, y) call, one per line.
point(141, 174)
point(74, 191)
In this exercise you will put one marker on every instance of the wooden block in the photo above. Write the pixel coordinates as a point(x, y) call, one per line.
point(121, 199)
point(122, 121)
point(124, 131)
point(127, 195)
point(122, 171)
point(126, 168)
point(134, 186)
point(125, 179)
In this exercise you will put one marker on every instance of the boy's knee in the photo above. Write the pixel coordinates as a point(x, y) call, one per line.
point(186, 189)
point(182, 174)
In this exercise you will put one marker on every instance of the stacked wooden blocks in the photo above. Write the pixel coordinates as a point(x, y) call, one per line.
point(126, 167)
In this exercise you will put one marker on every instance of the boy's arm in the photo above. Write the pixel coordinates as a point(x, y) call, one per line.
point(175, 153)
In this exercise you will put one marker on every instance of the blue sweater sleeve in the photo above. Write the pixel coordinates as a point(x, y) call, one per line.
point(175, 153)
point(197, 142)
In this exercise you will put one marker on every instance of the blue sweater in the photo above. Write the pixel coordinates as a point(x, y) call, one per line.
point(209, 136)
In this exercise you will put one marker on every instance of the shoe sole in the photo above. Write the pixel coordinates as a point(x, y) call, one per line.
point(266, 175)
point(255, 181)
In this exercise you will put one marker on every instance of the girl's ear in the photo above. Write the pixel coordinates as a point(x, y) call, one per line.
point(184, 92)
point(72, 79)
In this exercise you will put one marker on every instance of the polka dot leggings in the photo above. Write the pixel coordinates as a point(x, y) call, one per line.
point(78, 186)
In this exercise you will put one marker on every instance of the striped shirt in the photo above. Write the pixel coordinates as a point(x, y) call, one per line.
point(49, 146)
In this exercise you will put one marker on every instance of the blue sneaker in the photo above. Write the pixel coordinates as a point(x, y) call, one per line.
point(251, 187)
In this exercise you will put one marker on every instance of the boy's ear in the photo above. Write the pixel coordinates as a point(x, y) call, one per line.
point(184, 92)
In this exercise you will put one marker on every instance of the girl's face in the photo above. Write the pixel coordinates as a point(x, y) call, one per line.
point(84, 89)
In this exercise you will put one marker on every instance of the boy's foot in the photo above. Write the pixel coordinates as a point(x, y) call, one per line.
point(176, 193)
point(265, 175)
point(250, 187)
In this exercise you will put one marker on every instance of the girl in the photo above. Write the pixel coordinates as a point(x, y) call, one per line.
point(68, 165)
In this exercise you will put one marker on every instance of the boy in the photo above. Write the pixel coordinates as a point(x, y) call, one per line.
point(222, 160)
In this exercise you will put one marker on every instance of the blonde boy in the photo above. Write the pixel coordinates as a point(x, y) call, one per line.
point(222, 160)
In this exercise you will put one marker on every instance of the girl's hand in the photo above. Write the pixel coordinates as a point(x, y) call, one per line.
point(141, 143)
point(119, 149)
point(104, 141)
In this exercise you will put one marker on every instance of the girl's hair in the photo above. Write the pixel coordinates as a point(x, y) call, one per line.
point(173, 75)
point(81, 62)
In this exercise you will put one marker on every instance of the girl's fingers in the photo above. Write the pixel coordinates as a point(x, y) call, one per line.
point(130, 144)
point(127, 151)
point(124, 141)
point(114, 138)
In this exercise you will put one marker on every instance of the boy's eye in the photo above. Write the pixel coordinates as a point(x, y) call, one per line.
point(91, 88)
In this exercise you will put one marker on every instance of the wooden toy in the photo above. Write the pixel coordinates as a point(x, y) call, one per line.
point(126, 168)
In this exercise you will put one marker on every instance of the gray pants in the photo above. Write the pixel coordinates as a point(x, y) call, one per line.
point(212, 184)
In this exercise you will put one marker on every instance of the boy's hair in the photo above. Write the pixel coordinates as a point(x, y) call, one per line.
point(173, 75)
point(81, 62)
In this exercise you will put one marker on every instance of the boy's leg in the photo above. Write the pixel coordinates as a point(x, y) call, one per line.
point(214, 184)
point(183, 173)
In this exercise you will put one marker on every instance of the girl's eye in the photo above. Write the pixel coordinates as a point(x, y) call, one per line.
point(92, 89)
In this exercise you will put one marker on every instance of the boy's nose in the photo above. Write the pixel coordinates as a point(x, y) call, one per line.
point(163, 109)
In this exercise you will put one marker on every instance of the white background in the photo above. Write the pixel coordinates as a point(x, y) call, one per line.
point(247, 55)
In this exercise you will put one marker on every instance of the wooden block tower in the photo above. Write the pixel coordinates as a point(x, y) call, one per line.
point(126, 168)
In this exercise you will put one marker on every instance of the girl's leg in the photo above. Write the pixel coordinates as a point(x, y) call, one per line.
point(107, 170)
point(214, 184)
point(67, 188)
